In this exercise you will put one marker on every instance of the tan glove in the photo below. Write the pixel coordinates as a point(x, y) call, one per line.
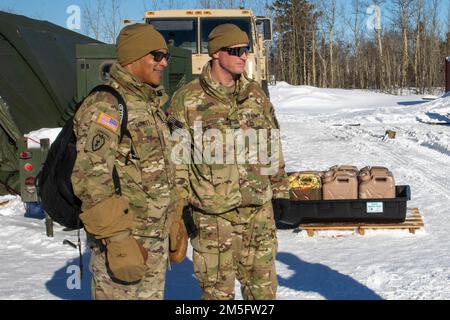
point(126, 257)
point(178, 237)
point(112, 221)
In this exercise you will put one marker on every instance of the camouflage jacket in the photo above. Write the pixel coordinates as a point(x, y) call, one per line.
point(218, 188)
point(145, 171)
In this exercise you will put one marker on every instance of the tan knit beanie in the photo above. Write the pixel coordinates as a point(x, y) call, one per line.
point(225, 35)
point(137, 40)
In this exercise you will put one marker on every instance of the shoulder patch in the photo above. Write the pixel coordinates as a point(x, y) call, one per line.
point(108, 122)
point(98, 141)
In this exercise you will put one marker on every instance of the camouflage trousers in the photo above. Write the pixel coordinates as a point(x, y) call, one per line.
point(224, 251)
point(151, 287)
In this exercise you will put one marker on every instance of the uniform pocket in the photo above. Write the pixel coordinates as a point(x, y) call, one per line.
point(207, 240)
point(206, 268)
point(206, 250)
point(129, 165)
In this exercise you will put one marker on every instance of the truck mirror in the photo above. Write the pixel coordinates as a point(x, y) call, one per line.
point(267, 28)
point(105, 69)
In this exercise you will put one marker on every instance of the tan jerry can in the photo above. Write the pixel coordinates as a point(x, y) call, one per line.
point(376, 183)
point(306, 186)
point(340, 183)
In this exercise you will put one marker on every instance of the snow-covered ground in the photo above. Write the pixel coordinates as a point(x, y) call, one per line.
point(320, 128)
point(383, 264)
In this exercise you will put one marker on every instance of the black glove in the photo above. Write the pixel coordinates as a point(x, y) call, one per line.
point(281, 207)
point(189, 222)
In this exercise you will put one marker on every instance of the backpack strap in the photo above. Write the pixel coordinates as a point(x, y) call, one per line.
point(123, 126)
point(116, 181)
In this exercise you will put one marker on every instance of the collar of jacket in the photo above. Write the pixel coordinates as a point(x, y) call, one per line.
point(130, 83)
point(218, 91)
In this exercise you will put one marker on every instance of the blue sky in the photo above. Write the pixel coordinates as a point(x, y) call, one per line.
point(55, 10)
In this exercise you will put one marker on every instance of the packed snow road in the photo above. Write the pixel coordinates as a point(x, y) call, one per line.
point(320, 128)
point(382, 264)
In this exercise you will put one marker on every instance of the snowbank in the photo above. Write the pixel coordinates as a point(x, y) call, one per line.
point(315, 100)
point(437, 111)
point(35, 136)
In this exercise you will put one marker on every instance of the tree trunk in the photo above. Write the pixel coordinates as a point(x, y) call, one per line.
point(382, 73)
point(314, 72)
point(332, 26)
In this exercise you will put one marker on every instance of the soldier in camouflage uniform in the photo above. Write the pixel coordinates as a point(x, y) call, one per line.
point(232, 207)
point(142, 162)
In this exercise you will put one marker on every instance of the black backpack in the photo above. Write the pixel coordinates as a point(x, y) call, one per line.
point(54, 183)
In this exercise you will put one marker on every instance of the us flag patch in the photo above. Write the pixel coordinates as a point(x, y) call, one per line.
point(108, 122)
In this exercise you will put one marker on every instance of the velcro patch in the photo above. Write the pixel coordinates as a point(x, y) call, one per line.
point(98, 141)
point(108, 122)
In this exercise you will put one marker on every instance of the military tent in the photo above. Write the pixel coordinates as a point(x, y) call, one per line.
point(37, 83)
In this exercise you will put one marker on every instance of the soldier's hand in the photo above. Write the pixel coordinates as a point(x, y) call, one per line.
point(189, 222)
point(178, 210)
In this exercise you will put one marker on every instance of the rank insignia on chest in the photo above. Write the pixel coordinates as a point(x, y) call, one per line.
point(108, 122)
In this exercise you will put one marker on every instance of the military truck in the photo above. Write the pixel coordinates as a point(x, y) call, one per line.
point(189, 29)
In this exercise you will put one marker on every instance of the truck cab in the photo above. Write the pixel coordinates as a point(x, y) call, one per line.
point(189, 29)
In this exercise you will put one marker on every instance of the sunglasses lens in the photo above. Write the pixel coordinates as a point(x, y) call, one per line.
point(158, 56)
point(243, 50)
point(237, 51)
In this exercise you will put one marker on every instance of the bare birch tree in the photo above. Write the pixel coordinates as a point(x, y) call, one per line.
point(103, 19)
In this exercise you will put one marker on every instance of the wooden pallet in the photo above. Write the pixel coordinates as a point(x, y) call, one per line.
point(412, 223)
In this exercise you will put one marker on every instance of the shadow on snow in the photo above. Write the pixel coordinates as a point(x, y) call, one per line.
point(411, 103)
point(436, 117)
point(316, 277)
point(181, 283)
point(58, 285)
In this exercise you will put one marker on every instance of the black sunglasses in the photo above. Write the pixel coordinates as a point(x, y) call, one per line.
point(158, 56)
point(239, 51)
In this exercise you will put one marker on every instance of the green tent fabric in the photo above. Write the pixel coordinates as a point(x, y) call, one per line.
point(37, 79)
point(9, 133)
point(6, 121)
